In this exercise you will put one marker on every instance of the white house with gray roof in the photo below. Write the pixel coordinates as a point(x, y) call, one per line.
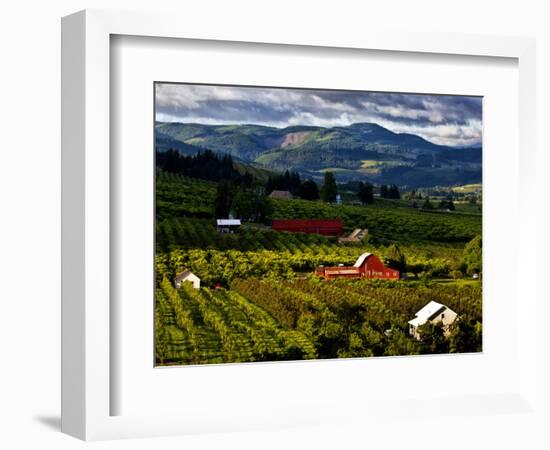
point(434, 313)
point(188, 276)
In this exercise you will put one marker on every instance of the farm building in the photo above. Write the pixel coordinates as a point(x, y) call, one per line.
point(366, 266)
point(355, 236)
point(435, 313)
point(284, 195)
point(325, 227)
point(187, 276)
point(228, 225)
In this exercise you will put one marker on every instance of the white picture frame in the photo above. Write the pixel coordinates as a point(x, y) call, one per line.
point(87, 386)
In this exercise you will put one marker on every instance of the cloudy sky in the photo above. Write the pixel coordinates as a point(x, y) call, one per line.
point(442, 119)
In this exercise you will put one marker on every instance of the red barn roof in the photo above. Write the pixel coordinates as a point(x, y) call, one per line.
point(326, 227)
point(366, 266)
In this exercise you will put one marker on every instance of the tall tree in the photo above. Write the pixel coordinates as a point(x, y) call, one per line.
point(222, 202)
point(384, 191)
point(242, 205)
point(395, 258)
point(251, 205)
point(309, 190)
point(329, 189)
point(205, 165)
point(287, 181)
point(365, 193)
point(473, 256)
point(393, 192)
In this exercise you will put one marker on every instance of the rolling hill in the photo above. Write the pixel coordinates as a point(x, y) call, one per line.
point(365, 151)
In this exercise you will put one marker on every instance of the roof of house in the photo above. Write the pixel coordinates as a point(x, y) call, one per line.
point(183, 275)
point(426, 313)
point(355, 233)
point(226, 222)
point(360, 261)
point(281, 194)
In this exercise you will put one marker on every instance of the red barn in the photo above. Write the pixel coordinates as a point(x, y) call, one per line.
point(325, 227)
point(366, 266)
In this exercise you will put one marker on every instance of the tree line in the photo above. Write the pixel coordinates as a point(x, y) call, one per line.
point(205, 165)
point(292, 182)
point(241, 196)
point(391, 191)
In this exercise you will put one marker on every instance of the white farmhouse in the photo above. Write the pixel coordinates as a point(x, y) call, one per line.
point(188, 276)
point(228, 225)
point(435, 313)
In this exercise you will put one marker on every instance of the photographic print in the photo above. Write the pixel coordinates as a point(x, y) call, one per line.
point(295, 224)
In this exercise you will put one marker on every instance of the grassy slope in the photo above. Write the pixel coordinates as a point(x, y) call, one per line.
point(257, 173)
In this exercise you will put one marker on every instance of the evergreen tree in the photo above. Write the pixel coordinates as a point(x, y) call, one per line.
point(393, 192)
point(205, 165)
point(242, 205)
point(264, 210)
point(384, 191)
point(270, 185)
point(309, 190)
point(295, 183)
point(365, 193)
point(287, 181)
point(222, 202)
point(329, 189)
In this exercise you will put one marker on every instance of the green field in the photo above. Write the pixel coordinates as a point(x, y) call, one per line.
point(259, 301)
point(269, 320)
point(468, 188)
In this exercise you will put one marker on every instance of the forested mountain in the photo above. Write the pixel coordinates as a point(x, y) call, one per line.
point(365, 151)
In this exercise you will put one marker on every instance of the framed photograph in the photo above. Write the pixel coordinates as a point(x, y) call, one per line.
point(292, 225)
point(264, 230)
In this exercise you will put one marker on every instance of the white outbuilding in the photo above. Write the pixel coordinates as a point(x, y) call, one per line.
point(434, 313)
point(187, 276)
point(228, 225)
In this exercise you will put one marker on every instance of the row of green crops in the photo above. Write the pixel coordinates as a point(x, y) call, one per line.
point(260, 320)
point(179, 197)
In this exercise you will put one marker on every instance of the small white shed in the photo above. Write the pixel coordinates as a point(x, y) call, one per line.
point(188, 276)
point(435, 313)
point(228, 225)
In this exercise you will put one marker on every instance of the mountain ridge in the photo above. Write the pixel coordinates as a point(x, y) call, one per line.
point(362, 150)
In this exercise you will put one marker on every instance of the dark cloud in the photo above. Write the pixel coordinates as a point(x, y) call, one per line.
point(443, 119)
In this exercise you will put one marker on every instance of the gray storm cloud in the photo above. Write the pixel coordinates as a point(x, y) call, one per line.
point(442, 119)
